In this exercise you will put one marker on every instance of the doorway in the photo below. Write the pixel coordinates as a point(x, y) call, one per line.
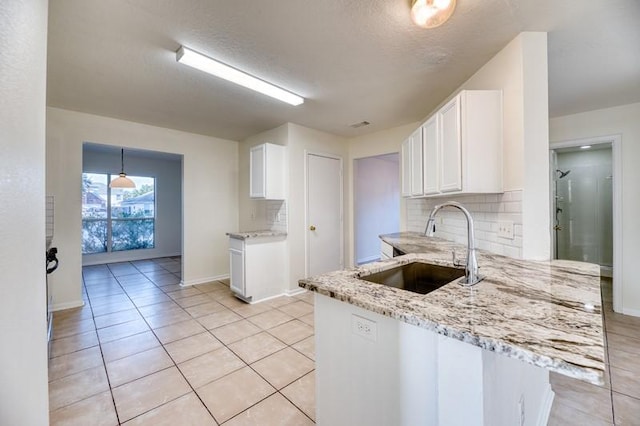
point(376, 203)
point(586, 204)
point(324, 214)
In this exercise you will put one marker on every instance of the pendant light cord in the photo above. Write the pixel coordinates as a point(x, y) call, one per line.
point(122, 160)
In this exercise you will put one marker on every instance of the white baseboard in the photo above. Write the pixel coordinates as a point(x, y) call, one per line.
point(545, 407)
point(632, 312)
point(188, 283)
point(295, 292)
point(67, 305)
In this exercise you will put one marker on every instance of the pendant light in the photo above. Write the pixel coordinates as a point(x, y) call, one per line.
point(431, 13)
point(123, 181)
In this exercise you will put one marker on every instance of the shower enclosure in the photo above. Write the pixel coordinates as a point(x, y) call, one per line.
point(583, 205)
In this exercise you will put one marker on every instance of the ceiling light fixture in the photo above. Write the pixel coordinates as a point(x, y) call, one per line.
point(585, 147)
point(122, 181)
point(432, 13)
point(186, 56)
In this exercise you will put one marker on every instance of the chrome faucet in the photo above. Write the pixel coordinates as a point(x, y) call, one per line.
point(472, 276)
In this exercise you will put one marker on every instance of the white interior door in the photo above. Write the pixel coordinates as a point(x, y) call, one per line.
point(324, 214)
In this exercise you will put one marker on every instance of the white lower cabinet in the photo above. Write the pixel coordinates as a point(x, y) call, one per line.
point(257, 267)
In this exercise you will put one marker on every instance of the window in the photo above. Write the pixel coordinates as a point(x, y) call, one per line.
point(116, 219)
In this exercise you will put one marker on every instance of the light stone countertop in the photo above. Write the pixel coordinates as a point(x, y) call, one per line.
point(245, 235)
point(544, 313)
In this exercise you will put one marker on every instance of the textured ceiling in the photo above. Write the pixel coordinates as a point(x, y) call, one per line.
point(353, 60)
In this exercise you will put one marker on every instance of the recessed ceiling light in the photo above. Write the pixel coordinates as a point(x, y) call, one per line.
point(585, 147)
point(186, 56)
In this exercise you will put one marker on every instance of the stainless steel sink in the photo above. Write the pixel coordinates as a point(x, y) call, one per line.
point(417, 277)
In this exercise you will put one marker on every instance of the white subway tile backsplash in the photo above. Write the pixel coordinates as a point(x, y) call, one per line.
point(277, 218)
point(487, 210)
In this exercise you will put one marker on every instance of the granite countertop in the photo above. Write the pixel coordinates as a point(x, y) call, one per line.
point(545, 313)
point(245, 235)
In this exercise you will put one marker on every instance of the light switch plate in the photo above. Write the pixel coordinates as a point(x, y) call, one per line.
point(505, 230)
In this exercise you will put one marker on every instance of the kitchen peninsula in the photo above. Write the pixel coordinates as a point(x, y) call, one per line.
point(457, 355)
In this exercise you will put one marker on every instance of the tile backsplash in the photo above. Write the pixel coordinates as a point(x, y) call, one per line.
point(487, 211)
point(276, 212)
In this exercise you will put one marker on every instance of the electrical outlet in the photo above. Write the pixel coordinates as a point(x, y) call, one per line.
point(521, 409)
point(364, 327)
point(505, 230)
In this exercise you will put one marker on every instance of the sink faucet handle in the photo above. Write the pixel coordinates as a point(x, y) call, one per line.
point(457, 262)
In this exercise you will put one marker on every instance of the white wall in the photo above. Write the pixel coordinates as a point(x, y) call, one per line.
point(24, 398)
point(168, 196)
point(624, 121)
point(210, 192)
point(376, 204)
point(520, 71)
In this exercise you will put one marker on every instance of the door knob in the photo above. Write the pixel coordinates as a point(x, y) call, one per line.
point(312, 228)
point(557, 228)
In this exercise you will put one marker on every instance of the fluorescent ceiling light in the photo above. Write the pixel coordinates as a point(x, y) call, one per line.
point(585, 147)
point(199, 61)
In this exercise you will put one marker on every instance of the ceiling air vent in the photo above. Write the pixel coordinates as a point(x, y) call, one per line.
point(360, 124)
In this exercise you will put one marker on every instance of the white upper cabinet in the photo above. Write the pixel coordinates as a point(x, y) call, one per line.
point(462, 146)
point(431, 156)
point(267, 172)
point(412, 165)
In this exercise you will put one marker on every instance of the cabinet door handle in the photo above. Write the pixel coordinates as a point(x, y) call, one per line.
point(312, 228)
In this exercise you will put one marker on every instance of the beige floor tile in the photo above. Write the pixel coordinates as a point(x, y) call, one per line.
point(127, 346)
point(138, 290)
point(179, 330)
point(71, 328)
point(234, 393)
point(307, 347)
point(270, 319)
point(292, 332)
point(614, 317)
point(166, 279)
point(626, 410)
point(625, 360)
point(229, 300)
point(626, 382)
point(307, 296)
point(235, 331)
point(184, 411)
point(119, 331)
point(74, 362)
point(624, 343)
point(168, 288)
point(72, 314)
point(283, 367)
point(125, 370)
point(149, 392)
point(151, 299)
point(218, 319)
point(112, 307)
point(205, 308)
point(273, 411)
point(308, 319)
point(297, 309)
point(249, 310)
point(563, 415)
point(76, 387)
point(160, 308)
point(256, 347)
point(210, 287)
point(184, 292)
point(117, 318)
point(590, 399)
point(73, 343)
point(97, 410)
point(198, 299)
point(108, 300)
point(106, 290)
point(623, 328)
point(302, 393)
point(281, 301)
point(165, 319)
point(209, 367)
point(190, 347)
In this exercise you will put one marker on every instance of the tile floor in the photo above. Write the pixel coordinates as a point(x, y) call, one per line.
point(144, 351)
point(618, 400)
